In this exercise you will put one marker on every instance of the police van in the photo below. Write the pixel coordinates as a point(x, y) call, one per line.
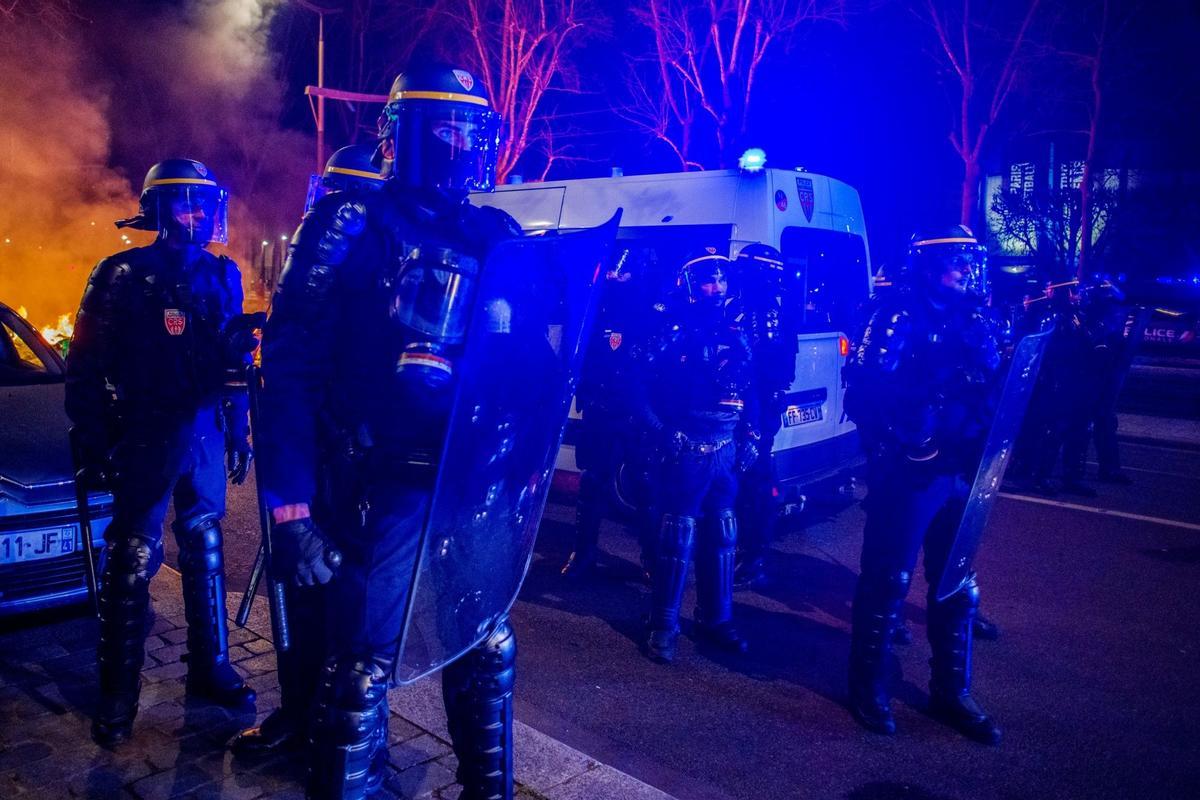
point(815, 221)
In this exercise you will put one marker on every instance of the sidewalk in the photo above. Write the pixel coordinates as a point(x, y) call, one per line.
point(47, 692)
point(1146, 429)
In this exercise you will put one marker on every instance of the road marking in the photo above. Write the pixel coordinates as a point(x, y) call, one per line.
point(1108, 512)
point(1153, 472)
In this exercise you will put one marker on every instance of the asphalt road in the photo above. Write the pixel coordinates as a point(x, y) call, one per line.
point(1094, 679)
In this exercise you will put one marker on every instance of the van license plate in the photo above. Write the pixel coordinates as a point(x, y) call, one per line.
point(38, 544)
point(801, 415)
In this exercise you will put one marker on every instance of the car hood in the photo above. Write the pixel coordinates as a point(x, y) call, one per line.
point(35, 455)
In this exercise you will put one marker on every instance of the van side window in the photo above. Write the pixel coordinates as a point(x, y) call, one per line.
point(830, 269)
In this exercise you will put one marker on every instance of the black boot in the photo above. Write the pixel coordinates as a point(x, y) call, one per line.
point(950, 633)
point(714, 585)
point(676, 538)
point(876, 613)
point(202, 566)
point(478, 693)
point(278, 732)
point(344, 757)
point(124, 603)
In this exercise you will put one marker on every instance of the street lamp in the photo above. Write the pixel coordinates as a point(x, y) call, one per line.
point(320, 11)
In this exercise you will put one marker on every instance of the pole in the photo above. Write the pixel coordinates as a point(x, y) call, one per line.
point(320, 97)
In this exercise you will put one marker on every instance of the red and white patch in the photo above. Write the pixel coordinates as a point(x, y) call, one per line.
point(174, 320)
point(465, 78)
point(201, 170)
point(614, 340)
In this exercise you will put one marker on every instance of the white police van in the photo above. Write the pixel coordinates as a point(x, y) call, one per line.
point(815, 221)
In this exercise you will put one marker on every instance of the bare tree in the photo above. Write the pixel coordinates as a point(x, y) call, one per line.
point(55, 15)
point(522, 51)
point(692, 88)
point(1052, 224)
point(988, 57)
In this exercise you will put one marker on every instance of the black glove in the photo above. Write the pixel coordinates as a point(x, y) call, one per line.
point(302, 554)
point(240, 334)
point(238, 457)
point(674, 443)
point(92, 449)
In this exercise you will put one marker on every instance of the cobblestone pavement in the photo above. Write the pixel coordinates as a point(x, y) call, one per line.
point(47, 693)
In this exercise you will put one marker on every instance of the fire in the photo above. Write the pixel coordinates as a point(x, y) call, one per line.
point(23, 312)
point(58, 335)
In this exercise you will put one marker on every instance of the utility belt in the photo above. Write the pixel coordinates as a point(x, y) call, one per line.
point(705, 448)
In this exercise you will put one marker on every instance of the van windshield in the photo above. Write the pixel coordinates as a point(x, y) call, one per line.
point(832, 274)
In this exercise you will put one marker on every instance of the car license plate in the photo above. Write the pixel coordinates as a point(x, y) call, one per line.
point(38, 544)
point(801, 415)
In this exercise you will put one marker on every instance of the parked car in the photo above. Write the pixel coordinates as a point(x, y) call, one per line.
point(41, 550)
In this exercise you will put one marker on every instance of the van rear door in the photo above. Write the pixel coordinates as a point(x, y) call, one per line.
point(816, 440)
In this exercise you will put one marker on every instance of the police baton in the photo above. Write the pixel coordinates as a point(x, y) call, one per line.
point(85, 518)
point(262, 562)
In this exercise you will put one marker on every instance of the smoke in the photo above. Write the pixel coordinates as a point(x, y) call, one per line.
point(86, 110)
point(58, 197)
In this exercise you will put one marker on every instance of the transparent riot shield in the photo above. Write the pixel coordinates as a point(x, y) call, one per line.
point(1006, 425)
point(521, 361)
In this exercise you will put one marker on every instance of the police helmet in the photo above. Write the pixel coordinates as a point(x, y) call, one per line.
point(759, 267)
point(350, 167)
point(704, 276)
point(933, 254)
point(442, 129)
point(181, 199)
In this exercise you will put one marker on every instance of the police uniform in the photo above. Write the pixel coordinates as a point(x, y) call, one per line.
point(145, 379)
point(771, 327)
point(358, 358)
point(696, 380)
point(919, 388)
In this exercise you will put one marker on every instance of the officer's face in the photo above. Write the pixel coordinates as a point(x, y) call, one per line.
point(458, 134)
point(713, 287)
point(957, 272)
point(194, 214)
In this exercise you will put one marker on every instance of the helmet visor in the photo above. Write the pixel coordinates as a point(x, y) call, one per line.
point(199, 214)
point(443, 145)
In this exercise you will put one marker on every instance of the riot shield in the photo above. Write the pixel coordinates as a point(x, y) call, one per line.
point(1006, 425)
point(531, 315)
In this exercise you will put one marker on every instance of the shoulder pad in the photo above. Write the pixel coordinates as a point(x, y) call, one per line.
point(323, 241)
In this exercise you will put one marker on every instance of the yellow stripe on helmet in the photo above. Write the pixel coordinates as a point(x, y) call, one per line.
point(177, 181)
point(453, 97)
point(357, 173)
point(712, 257)
point(947, 240)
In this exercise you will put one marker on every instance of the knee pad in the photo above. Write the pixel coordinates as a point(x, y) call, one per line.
point(133, 559)
point(964, 601)
point(353, 695)
point(677, 534)
point(200, 541)
point(726, 528)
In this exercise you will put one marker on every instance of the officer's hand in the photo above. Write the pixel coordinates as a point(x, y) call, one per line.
point(238, 458)
point(301, 553)
point(93, 453)
point(674, 443)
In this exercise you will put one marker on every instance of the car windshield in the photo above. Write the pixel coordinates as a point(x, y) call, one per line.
point(24, 358)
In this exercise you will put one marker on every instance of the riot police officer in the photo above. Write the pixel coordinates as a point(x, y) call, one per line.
point(696, 382)
point(769, 321)
point(352, 432)
point(1058, 411)
point(607, 438)
point(350, 167)
point(919, 387)
point(146, 368)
